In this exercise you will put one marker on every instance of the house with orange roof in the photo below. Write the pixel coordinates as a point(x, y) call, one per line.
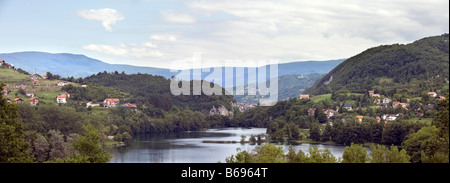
point(5, 92)
point(432, 94)
point(130, 106)
point(376, 95)
point(110, 102)
point(359, 118)
point(66, 94)
point(2, 62)
point(371, 92)
point(302, 96)
point(18, 100)
point(34, 101)
point(442, 97)
point(61, 99)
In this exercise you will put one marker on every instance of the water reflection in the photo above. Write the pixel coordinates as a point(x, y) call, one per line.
point(188, 147)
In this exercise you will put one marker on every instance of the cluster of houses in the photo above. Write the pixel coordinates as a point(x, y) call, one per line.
point(4, 64)
point(245, 106)
point(33, 100)
point(329, 112)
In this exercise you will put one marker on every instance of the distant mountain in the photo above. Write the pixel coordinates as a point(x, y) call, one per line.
point(67, 65)
point(391, 68)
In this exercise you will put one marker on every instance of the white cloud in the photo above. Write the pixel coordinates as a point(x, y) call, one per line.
point(150, 45)
point(166, 37)
point(107, 16)
point(289, 31)
point(173, 16)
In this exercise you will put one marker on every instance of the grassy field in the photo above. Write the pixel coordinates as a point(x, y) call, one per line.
point(12, 76)
point(324, 97)
point(422, 120)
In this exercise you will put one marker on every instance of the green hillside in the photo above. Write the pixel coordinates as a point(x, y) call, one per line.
point(147, 89)
point(415, 68)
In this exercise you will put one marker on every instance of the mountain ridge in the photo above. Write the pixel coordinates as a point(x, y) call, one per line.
point(78, 65)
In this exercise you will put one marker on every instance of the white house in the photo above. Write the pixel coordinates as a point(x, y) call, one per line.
point(62, 83)
point(61, 99)
point(348, 106)
point(388, 117)
point(386, 100)
point(432, 94)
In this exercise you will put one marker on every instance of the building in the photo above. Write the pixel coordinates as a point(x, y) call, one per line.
point(389, 117)
point(371, 92)
point(5, 92)
point(22, 85)
point(61, 99)
point(110, 102)
point(66, 94)
point(2, 62)
point(45, 76)
point(34, 76)
point(359, 118)
point(130, 106)
point(386, 100)
point(62, 83)
point(30, 94)
point(18, 100)
point(311, 111)
point(330, 113)
point(35, 81)
point(34, 101)
point(432, 94)
point(348, 106)
point(376, 95)
point(442, 97)
point(302, 96)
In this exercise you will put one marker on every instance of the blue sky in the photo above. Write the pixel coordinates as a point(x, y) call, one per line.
point(157, 32)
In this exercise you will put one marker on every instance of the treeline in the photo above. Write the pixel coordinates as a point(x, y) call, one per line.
point(269, 153)
point(93, 92)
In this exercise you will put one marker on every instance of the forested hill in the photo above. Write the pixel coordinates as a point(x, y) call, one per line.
point(389, 66)
point(148, 89)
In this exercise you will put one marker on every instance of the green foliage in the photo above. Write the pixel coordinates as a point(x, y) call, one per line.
point(146, 89)
point(355, 154)
point(89, 149)
point(13, 147)
point(269, 153)
point(382, 154)
point(430, 144)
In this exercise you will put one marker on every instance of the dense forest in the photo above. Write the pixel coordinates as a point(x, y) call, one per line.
point(146, 89)
point(390, 67)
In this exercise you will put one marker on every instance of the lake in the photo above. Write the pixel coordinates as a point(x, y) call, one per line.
point(188, 147)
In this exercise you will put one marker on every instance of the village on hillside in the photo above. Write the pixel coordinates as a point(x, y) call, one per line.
point(35, 89)
point(379, 102)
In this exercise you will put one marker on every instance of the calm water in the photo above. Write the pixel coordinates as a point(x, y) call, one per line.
point(187, 147)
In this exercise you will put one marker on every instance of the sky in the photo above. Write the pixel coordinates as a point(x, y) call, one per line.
point(156, 33)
